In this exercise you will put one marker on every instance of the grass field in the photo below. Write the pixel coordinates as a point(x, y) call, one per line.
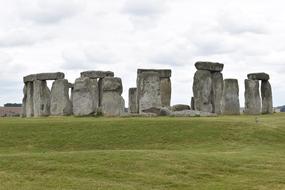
point(143, 153)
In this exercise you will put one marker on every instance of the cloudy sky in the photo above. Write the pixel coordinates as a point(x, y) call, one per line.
point(122, 35)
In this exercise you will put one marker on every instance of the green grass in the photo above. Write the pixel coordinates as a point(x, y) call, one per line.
point(68, 153)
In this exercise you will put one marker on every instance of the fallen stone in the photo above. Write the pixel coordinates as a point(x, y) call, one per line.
point(165, 91)
point(112, 84)
point(60, 102)
point(192, 113)
point(217, 89)
point(44, 76)
point(202, 89)
point(133, 108)
point(148, 89)
point(41, 98)
point(163, 73)
point(258, 76)
point(266, 95)
point(85, 97)
point(97, 74)
point(153, 110)
point(180, 107)
point(252, 97)
point(230, 100)
point(113, 104)
point(209, 66)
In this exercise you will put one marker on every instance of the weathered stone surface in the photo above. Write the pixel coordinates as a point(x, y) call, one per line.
point(180, 107)
point(97, 74)
point(41, 98)
point(133, 108)
point(202, 89)
point(24, 100)
point(209, 66)
point(148, 89)
point(85, 97)
point(113, 104)
point(252, 97)
point(192, 103)
point(165, 91)
point(192, 113)
point(258, 76)
point(217, 90)
point(112, 84)
point(60, 102)
point(163, 73)
point(44, 76)
point(29, 102)
point(266, 94)
point(154, 110)
point(230, 100)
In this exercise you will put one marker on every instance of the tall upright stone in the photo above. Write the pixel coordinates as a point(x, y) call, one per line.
point(192, 103)
point(266, 94)
point(148, 90)
point(165, 91)
point(41, 98)
point(230, 97)
point(202, 90)
point(133, 100)
point(85, 96)
point(252, 97)
point(113, 103)
point(60, 102)
point(217, 91)
point(29, 102)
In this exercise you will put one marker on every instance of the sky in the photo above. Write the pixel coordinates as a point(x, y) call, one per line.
point(72, 36)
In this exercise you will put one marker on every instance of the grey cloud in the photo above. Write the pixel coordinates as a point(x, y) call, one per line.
point(143, 8)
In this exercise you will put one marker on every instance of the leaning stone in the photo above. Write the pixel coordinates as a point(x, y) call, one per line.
point(85, 100)
point(209, 66)
point(266, 94)
point(180, 107)
point(148, 89)
point(163, 73)
point(60, 102)
point(252, 97)
point(230, 101)
point(112, 84)
point(165, 91)
point(202, 89)
point(258, 76)
point(41, 98)
point(217, 89)
point(113, 104)
point(133, 108)
point(97, 74)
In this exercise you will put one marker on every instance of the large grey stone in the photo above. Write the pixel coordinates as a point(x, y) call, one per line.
point(148, 89)
point(41, 98)
point(202, 90)
point(44, 76)
point(252, 97)
point(113, 104)
point(85, 96)
point(230, 100)
point(209, 66)
point(165, 91)
point(180, 107)
point(163, 73)
point(24, 100)
point(133, 108)
point(192, 113)
point(29, 102)
point(60, 102)
point(217, 90)
point(192, 103)
point(266, 94)
point(112, 84)
point(258, 76)
point(97, 74)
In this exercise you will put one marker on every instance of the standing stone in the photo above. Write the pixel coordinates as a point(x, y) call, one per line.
point(148, 91)
point(113, 103)
point(230, 100)
point(60, 102)
point(165, 91)
point(202, 89)
point(29, 102)
point(133, 100)
point(252, 97)
point(23, 114)
point(266, 94)
point(85, 96)
point(41, 98)
point(217, 90)
point(193, 103)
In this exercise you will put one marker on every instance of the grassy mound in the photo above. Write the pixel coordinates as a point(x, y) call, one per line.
point(66, 153)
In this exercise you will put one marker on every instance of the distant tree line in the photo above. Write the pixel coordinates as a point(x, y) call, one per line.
point(9, 105)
